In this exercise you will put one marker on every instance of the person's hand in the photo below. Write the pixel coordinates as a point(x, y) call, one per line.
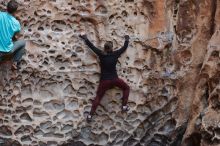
point(83, 35)
point(127, 37)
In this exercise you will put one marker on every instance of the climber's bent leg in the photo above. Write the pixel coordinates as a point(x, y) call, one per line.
point(126, 89)
point(103, 86)
point(18, 50)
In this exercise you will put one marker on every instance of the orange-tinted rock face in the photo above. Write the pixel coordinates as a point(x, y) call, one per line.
point(172, 66)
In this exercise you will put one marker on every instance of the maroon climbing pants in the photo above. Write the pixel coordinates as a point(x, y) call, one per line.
point(104, 85)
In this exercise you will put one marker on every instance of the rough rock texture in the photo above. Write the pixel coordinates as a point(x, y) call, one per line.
point(175, 88)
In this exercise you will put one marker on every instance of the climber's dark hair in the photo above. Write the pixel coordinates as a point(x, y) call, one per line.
point(12, 6)
point(108, 47)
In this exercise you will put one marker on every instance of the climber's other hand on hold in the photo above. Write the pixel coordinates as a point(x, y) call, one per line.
point(127, 37)
point(83, 35)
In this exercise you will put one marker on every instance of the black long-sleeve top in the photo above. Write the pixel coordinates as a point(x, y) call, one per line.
point(108, 61)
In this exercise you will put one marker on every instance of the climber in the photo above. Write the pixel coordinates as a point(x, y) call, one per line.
point(9, 27)
point(109, 78)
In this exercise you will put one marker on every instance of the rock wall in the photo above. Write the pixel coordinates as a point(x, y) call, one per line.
point(172, 66)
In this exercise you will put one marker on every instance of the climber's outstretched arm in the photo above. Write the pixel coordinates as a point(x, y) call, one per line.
point(91, 46)
point(123, 49)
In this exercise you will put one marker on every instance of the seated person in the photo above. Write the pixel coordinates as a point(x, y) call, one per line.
point(9, 26)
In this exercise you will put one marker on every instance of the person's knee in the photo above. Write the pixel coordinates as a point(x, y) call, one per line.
point(127, 87)
point(18, 45)
point(24, 43)
point(96, 101)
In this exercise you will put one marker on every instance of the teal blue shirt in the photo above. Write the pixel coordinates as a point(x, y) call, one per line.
point(8, 27)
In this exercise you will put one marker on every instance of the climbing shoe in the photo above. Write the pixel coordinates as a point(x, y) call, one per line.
point(89, 118)
point(125, 108)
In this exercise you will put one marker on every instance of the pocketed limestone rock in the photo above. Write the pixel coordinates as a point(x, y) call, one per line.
point(172, 66)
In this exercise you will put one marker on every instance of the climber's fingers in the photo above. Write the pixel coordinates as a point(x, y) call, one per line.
point(83, 33)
